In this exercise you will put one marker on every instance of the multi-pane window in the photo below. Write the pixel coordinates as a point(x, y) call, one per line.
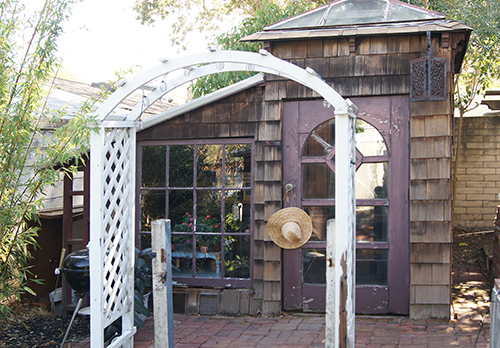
point(205, 190)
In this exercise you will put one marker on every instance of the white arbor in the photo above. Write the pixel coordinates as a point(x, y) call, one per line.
point(113, 152)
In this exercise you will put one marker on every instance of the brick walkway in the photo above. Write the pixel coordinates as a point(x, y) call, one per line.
point(470, 304)
point(309, 331)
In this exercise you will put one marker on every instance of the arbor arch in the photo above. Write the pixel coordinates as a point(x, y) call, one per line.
point(113, 151)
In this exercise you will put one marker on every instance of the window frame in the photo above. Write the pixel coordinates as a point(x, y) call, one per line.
point(199, 281)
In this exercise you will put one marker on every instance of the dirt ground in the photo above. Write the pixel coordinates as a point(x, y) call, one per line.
point(34, 326)
point(474, 250)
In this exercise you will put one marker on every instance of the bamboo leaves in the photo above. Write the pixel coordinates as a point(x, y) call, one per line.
point(28, 155)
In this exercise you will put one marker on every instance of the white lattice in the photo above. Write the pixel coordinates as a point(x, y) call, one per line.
point(113, 182)
point(117, 224)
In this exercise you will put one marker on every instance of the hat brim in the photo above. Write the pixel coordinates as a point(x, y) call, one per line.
point(292, 214)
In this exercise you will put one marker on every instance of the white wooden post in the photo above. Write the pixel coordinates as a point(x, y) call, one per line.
point(95, 250)
point(341, 239)
point(162, 284)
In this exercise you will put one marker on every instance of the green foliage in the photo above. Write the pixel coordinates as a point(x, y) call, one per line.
point(28, 62)
point(481, 65)
point(200, 15)
point(268, 14)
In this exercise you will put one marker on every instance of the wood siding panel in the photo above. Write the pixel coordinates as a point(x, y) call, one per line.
point(272, 271)
point(399, 44)
point(379, 45)
point(272, 291)
point(320, 65)
point(425, 311)
point(430, 253)
point(269, 131)
point(431, 232)
point(430, 274)
point(431, 294)
point(315, 48)
point(229, 302)
point(430, 147)
point(430, 190)
point(430, 211)
point(260, 232)
point(272, 252)
point(330, 47)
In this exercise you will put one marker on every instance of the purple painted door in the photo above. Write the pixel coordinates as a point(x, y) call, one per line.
point(382, 217)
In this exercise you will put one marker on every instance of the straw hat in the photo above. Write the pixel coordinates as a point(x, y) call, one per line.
point(289, 228)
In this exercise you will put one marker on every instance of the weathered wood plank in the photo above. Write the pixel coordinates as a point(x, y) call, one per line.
point(430, 232)
point(272, 271)
point(430, 168)
point(343, 47)
point(298, 49)
point(245, 299)
point(430, 274)
point(271, 308)
point(431, 294)
point(260, 232)
point(430, 108)
point(436, 126)
point(269, 209)
point(314, 48)
point(245, 112)
point(271, 91)
point(320, 65)
point(398, 44)
point(258, 285)
point(396, 84)
point(330, 47)
point(267, 171)
point(272, 290)
point(229, 302)
point(417, 128)
point(430, 211)
point(430, 253)
point(370, 85)
point(430, 147)
point(272, 109)
point(342, 66)
point(269, 131)
point(363, 45)
point(282, 49)
point(264, 152)
point(379, 44)
point(430, 189)
point(375, 65)
point(425, 311)
point(400, 63)
point(272, 252)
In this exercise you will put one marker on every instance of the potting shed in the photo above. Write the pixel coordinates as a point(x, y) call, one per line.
point(274, 142)
point(220, 166)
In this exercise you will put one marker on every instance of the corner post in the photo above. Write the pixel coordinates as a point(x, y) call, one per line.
point(163, 305)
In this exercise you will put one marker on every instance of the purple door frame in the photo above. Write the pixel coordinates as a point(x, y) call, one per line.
point(390, 115)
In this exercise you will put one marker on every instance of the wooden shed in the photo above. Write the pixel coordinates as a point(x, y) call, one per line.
point(221, 168)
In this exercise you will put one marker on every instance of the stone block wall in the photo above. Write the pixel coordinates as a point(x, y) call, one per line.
point(478, 173)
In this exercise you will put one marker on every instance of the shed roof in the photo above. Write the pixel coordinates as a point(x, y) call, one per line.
point(357, 12)
point(358, 17)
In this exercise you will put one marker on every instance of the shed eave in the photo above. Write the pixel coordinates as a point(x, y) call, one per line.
point(368, 30)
